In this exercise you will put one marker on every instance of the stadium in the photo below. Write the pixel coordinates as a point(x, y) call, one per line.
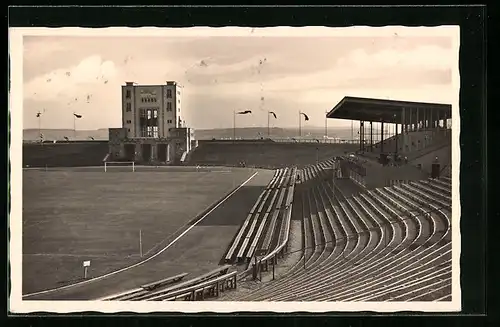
point(155, 215)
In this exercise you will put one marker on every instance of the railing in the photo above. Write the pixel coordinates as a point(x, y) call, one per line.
point(283, 140)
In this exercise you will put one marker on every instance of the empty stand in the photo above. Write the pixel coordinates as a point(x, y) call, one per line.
point(68, 154)
point(263, 154)
point(387, 244)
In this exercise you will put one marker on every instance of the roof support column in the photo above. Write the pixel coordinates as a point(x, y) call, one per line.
point(371, 136)
point(396, 138)
point(425, 119)
point(382, 137)
point(404, 128)
point(431, 118)
point(418, 119)
point(362, 135)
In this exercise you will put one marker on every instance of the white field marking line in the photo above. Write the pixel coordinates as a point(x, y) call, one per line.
point(151, 257)
point(79, 255)
point(153, 248)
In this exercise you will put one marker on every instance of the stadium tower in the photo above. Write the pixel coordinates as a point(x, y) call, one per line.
point(153, 127)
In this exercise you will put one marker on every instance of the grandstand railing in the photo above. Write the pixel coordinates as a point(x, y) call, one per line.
point(290, 140)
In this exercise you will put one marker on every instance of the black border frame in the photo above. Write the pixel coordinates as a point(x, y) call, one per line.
point(472, 21)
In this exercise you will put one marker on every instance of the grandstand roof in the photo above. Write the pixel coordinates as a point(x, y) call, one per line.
point(376, 110)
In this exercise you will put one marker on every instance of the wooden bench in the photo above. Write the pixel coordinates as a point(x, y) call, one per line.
point(250, 218)
point(210, 275)
point(276, 176)
point(257, 237)
point(246, 241)
point(270, 232)
point(182, 292)
point(162, 282)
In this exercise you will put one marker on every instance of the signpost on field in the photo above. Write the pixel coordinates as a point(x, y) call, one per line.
point(140, 242)
point(86, 265)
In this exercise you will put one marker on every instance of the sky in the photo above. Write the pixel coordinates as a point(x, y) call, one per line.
point(68, 73)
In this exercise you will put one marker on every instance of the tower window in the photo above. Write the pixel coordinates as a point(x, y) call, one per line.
point(169, 93)
point(128, 106)
point(128, 94)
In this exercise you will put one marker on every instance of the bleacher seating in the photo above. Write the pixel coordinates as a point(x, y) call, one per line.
point(65, 154)
point(387, 244)
point(417, 142)
point(199, 288)
point(266, 222)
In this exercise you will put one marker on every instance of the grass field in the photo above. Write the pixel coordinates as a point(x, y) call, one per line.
point(72, 216)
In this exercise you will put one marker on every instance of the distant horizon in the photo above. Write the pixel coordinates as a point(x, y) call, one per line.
point(201, 129)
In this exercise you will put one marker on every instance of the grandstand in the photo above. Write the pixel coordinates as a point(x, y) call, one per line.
point(347, 221)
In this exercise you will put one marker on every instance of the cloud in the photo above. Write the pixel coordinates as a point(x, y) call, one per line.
point(223, 74)
point(421, 57)
point(66, 84)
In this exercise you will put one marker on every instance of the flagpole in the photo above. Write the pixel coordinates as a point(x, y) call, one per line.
point(40, 127)
point(234, 125)
point(74, 125)
point(326, 125)
point(300, 123)
point(268, 130)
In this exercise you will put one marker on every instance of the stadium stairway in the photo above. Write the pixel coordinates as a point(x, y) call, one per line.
point(387, 244)
point(65, 154)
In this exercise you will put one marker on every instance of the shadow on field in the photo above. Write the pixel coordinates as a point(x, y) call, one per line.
point(233, 211)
